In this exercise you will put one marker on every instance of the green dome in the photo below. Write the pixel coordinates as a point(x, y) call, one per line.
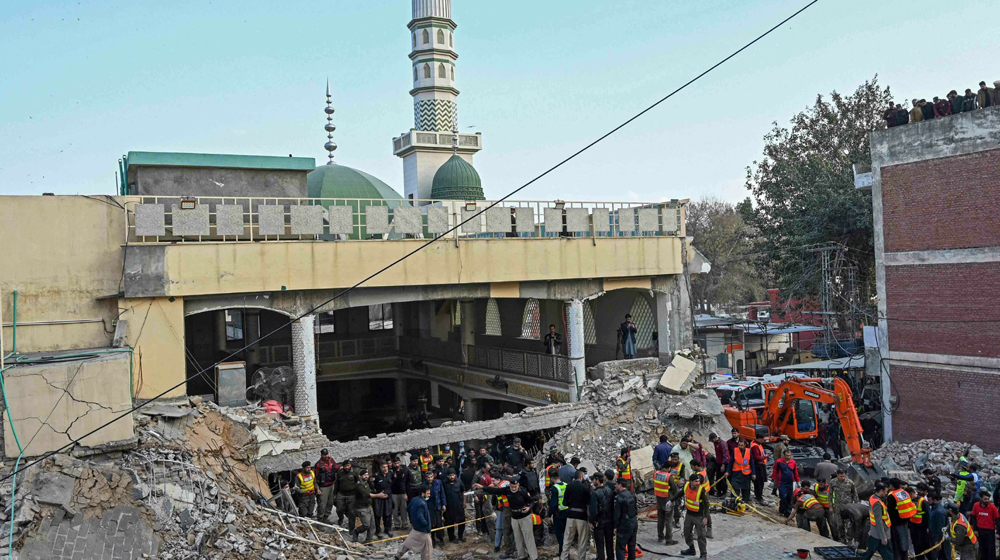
point(340, 181)
point(457, 180)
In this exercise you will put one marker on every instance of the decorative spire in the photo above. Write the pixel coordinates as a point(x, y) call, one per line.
point(330, 145)
point(454, 138)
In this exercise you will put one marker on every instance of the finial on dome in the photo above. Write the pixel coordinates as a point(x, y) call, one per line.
point(330, 145)
point(454, 138)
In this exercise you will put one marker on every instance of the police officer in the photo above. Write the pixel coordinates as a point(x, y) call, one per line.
point(346, 489)
point(305, 484)
point(602, 501)
point(625, 520)
point(696, 503)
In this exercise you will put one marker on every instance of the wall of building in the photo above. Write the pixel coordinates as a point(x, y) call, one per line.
point(218, 181)
point(61, 253)
point(156, 334)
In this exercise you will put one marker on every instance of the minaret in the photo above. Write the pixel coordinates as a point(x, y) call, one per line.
point(435, 100)
point(330, 145)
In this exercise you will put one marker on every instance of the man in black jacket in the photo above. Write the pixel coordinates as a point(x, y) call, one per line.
point(454, 499)
point(625, 519)
point(520, 511)
point(516, 455)
point(399, 490)
point(382, 484)
point(602, 501)
point(577, 532)
point(529, 479)
point(326, 476)
point(346, 488)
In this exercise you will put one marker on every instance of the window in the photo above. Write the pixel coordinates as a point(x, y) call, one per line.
point(451, 40)
point(427, 70)
point(415, 74)
point(440, 37)
point(380, 317)
point(414, 40)
point(642, 316)
point(531, 323)
point(442, 73)
point(324, 323)
point(493, 318)
point(234, 325)
point(452, 73)
point(589, 330)
point(427, 37)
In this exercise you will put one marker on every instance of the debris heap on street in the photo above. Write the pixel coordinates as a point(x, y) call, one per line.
point(908, 460)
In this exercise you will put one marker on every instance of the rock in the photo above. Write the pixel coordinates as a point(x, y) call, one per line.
point(230, 517)
point(54, 488)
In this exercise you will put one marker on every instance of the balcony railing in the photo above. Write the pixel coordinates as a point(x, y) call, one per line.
point(505, 360)
point(172, 219)
point(355, 349)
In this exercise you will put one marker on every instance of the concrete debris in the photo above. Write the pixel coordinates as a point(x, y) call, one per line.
point(908, 460)
point(55, 488)
point(679, 377)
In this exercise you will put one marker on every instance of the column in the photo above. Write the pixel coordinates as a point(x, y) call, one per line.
point(468, 329)
point(400, 387)
point(575, 348)
point(663, 330)
point(472, 412)
point(304, 365)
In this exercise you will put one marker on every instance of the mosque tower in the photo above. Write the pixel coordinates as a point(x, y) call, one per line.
point(430, 144)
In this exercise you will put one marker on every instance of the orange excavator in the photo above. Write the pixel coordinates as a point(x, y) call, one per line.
point(789, 408)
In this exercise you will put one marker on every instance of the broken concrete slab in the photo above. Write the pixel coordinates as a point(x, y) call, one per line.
point(679, 378)
point(642, 462)
point(54, 488)
point(168, 411)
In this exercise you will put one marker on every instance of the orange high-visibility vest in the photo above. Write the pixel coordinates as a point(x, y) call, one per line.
point(306, 482)
point(808, 501)
point(968, 530)
point(661, 484)
point(425, 462)
point(821, 496)
point(692, 497)
point(871, 512)
point(551, 473)
point(502, 500)
point(741, 463)
point(759, 447)
point(536, 519)
point(904, 506)
point(624, 469)
point(918, 517)
point(704, 479)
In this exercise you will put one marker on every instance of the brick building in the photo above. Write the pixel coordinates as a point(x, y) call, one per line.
point(936, 205)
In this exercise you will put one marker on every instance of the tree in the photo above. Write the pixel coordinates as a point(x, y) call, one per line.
point(804, 195)
point(721, 235)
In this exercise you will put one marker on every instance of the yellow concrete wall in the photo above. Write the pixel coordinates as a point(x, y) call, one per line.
point(156, 332)
point(60, 253)
point(211, 268)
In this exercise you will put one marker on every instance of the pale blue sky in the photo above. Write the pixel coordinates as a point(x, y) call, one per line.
point(81, 83)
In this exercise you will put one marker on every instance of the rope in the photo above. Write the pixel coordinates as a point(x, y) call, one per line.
point(492, 515)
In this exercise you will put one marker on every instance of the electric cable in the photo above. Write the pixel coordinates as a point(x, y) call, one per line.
point(425, 245)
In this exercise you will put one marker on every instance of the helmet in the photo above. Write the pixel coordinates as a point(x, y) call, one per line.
point(951, 506)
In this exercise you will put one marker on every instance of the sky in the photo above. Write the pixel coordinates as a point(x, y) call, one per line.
point(82, 83)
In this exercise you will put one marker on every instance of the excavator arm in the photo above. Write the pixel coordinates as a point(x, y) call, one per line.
point(790, 391)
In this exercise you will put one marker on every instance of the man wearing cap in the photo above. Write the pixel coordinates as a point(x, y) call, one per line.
point(346, 489)
point(626, 520)
point(519, 508)
point(399, 489)
point(305, 485)
point(326, 476)
point(381, 484)
point(674, 466)
point(554, 457)
point(516, 455)
point(454, 512)
point(602, 501)
point(436, 504)
point(483, 505)
point(363, 508)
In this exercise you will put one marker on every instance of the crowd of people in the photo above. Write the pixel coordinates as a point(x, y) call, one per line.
point(952, 104)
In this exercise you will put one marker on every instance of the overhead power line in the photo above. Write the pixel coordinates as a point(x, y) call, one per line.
point(425, 245)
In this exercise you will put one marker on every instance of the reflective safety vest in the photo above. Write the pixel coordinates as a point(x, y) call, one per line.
point(624, 469)
point(675, 473)
point(561, 490)
point(823, 496)
point(807, 501)
point(871, 511)
point(692, 497)
point(446, 454)
point(704, 479)
point(661, 484)
point(551, 473)
point(741, 464)
point(536, 519)
point(306, 483)
point(968, 530)
point(904, 506)
point(960, 486)
point(502, 500)
point(760, 448)
point(425, 462)
point(918, 516)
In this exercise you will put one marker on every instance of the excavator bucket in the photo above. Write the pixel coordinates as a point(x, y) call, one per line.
point(864, 478)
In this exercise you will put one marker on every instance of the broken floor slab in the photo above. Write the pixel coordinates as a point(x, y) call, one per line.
point(54, 488)
point(679, 377)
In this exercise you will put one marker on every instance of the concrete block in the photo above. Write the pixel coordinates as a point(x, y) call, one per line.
point(498, 219)
point(54, 488)
point(229, 219)
point(341, 220)
point(649, 219)
point(626, 220)
point(407, 219)
point(671, 220)
point(602, 219)
point(437, 219)
point(524, 219)
point(577, 220)
point(553, 220)
point(271, 219)
point(679, 377)
point(475, 225)
point(150, 220)
point(193, 221)
point(307, 220)
point(642, 462)
point(376, 220)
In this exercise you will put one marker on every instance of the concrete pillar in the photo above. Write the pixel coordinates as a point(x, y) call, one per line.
point(426, 310)
point(304, 365)
point(468, 329)
point(400, 387)
point(575, 349)
point(664, 333)
point(473, 410)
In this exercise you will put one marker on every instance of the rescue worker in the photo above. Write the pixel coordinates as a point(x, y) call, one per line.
point(919, 535)
point(880, 525)
point(785, 476)
point(679, 481)
point(759, 458)
point(346, 488)
point(326, 476)
point(742, 472)
point(821, 490)
point(558, 511)
point(696, 520)
point(807, 508)
point(363, 508)
point(426, 460)
point(626, 520)
point(901, 508)
point(552, 472)
point(602, 501)
point(381, 484)
point(963, 538)
point(697, 467)
point(842, 493)
point(624, 466)
point(967, 485)
point(305, 486)
point(663, 489)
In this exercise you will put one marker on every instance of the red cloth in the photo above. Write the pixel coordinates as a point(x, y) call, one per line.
point(942, 108)
point(985, 517)
point(776, 474)
point(721, 452)
point(757, 453)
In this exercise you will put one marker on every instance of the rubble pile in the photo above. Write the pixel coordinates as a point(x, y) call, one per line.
point(910, 459)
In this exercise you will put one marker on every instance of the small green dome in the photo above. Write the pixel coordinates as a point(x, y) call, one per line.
point(457, 180)
point(340, 181)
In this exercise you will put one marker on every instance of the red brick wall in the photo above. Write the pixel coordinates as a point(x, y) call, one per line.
point(941, 293)
point(944, 203)
point(945, 404)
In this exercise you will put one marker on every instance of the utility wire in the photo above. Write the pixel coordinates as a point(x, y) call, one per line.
point(425, 245)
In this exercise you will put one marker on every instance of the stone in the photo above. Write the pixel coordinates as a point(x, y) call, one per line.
point(230, 517)
point(54, 488)
point(679, 376)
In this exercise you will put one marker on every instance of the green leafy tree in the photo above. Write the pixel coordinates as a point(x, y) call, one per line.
point(721, 234)
point(803, 190)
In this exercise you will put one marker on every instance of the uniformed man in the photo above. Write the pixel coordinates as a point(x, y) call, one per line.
point(602, 501)
point(363, 508)
point(625, 520)
point(305, 486)
point(880, 525)
point(426, 460)
point(624, 466)
point(807, 508)
point(842, 494)
point(558, 511)
point(821, 490)
point(663, 489)
point(696, 520)
point(346, 489)
point(963, 538)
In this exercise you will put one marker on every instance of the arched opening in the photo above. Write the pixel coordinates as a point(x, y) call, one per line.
point(427, 70)
point(642, 316)
point(589, 329)
point(453, 73)
point(415, 77)
point(414, 40)
point(440, 37)
point(427, 37)
point(442, 72)
point(451, 39)
point(531, 326)
point(493, 318)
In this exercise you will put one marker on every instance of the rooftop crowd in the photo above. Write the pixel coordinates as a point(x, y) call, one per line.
point(952, 104)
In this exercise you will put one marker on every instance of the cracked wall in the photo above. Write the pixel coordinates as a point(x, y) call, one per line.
point(52, 404)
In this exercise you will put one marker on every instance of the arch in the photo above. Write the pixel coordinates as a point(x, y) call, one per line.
point(427, 37)
point(493, 327)
point(442, 73)
point(451, 39)
point(645, 323)
point(453, 73)
point(415, 78)
point(427, 70)
point(440, 36)
point(414, 39)
point(531, 321)
point(589, 328)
